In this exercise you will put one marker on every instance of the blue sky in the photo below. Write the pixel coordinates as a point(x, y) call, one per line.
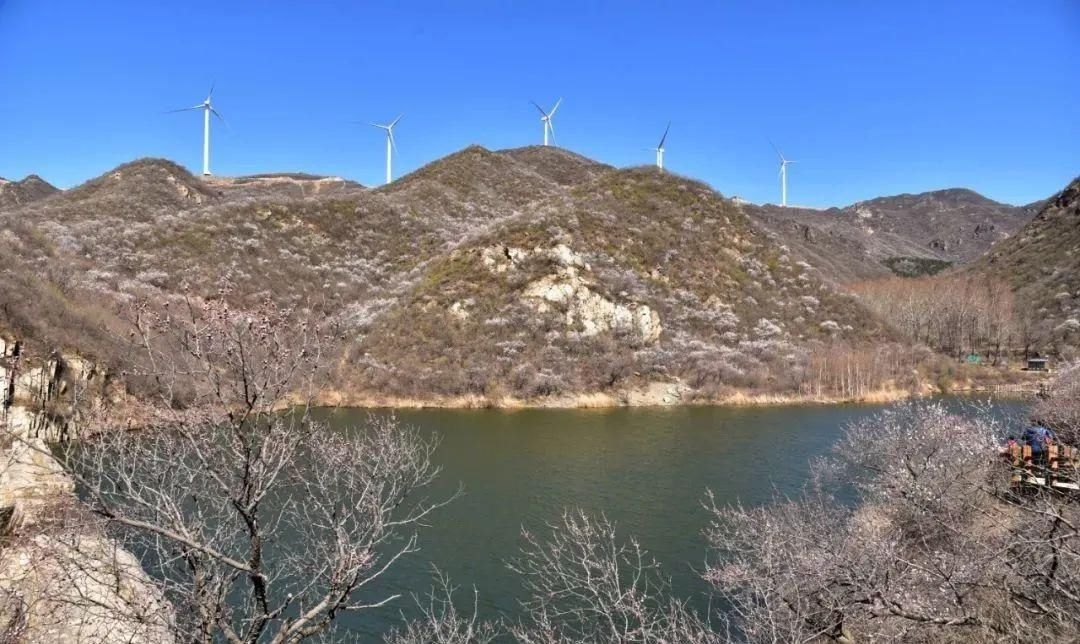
point(870, 98)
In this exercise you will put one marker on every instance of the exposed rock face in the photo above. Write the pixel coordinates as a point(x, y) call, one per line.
point(61, 578)
point(64, 383)
point(568, 288)
point(73, 587)
point(595, 313)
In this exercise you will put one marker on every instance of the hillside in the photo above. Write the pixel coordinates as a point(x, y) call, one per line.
point(1042, 263)
point(904, 234)
point(631, 278)
point(532, 273)
point(17, 193)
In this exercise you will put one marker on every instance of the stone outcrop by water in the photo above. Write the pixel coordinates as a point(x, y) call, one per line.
point(62, 579)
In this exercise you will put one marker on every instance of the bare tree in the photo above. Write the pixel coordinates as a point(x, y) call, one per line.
point(954, 314)
point(442, 623)
point(262, 524)
point(938, 545)
point(586, 585)
point(1059, 404)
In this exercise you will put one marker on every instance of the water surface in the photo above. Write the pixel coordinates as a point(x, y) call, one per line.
point(646, 469)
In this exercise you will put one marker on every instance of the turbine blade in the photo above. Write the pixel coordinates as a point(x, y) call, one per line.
point(220, 117)
point(185, 109)
point(551, 126)
point(539, 108)
point(776, 149)
point(381, 127)
point(557, 103)
point(393, 143)
point(394, 122)
point(213, 84)
point(664, 138)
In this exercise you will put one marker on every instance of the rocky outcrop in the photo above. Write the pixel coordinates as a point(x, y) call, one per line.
point(594, 313)
point(70, 586)
point(46, 398)
point(62, 579)
point(569, 290)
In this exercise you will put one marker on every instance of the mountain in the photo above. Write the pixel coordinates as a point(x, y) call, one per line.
point(633, 277)
point(1042, 264)
point(904, 234)
point(532, 273)
point(16, 193)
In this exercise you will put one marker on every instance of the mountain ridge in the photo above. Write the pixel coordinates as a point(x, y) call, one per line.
point(528, 273)
point(876, 237)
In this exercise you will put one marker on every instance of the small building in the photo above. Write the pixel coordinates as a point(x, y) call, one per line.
point(1036, 364)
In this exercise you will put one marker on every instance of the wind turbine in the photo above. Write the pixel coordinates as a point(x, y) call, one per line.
point(660, 148)
point(783, 175)
point(545, 118)
point(207, 109)
point(391, 146)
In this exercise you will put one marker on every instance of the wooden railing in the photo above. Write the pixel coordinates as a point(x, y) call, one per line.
point(1061, 469)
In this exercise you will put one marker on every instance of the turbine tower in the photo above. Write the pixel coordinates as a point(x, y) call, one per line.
point(783, 175)
point(660, 148)
point(207, 109)
point(545, 118)
point(391, 146)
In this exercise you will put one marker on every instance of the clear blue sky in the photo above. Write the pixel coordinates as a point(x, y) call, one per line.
point(870, 98)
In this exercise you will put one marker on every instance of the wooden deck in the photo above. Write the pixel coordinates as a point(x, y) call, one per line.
point(1063, 469)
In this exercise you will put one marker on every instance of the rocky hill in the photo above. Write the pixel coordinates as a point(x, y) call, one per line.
point(532, 273)
point(16, 193)
point(905, 235)
point(1042, 263)
point(634, 277)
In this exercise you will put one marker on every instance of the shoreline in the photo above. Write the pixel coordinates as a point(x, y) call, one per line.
point(659, 395)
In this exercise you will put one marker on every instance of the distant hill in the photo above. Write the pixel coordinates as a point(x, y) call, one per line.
point(532, 272)
point(905, 234)
point(16, 193)
point(1042, 263)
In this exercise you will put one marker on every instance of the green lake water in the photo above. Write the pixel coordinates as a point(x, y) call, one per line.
point(647, 469)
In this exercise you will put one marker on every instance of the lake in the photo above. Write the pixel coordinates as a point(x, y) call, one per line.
point(646, 468)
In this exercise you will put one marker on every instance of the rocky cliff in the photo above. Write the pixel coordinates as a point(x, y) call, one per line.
point(62, 579)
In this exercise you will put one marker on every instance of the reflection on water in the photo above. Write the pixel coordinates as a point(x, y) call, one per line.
point(647, 469)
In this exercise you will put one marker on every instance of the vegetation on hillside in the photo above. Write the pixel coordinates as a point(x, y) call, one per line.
point(528, 273)
point(17, 193)
point(906, 235)
point(1042, 264)
point(533, 307)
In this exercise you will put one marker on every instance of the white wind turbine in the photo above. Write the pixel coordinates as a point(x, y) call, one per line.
point(207, 109)
point(783, 175)
point(660, 148)
point(391, 145)
point(545, 118)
